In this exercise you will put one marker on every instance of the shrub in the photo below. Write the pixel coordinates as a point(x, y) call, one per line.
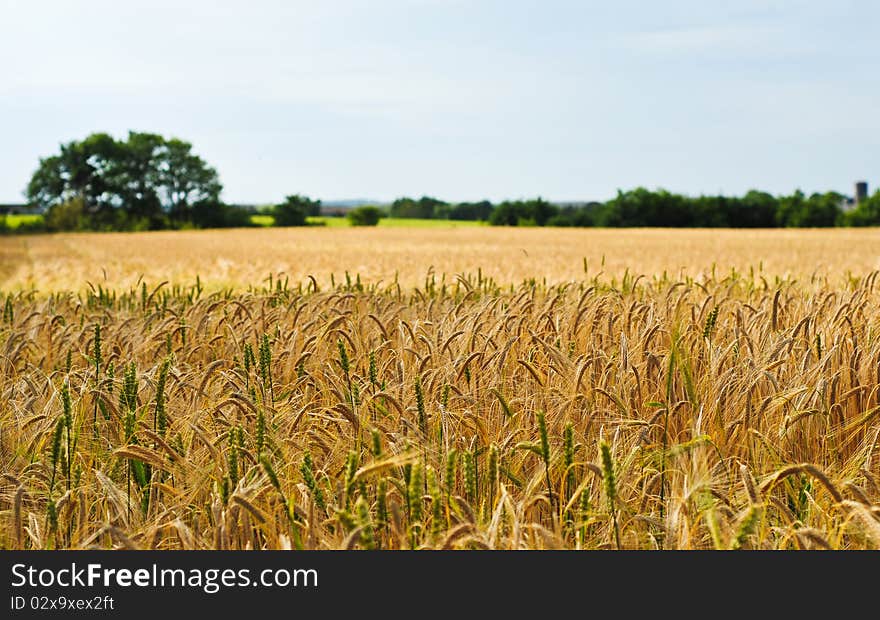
point(218, 215)
point(365, 216)
point(294, 210)
point(69, 215)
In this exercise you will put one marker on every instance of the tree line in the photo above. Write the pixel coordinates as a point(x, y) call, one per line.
point(641, 207)
point(148, 182)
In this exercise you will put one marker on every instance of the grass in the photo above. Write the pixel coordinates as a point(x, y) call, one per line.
point(733, 411)
point(15, 220)
point(262, 220)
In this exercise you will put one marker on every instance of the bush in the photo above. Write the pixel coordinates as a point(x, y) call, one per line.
point(68, 215)
point(294, 210)
point(365, 216)
point(211, 214)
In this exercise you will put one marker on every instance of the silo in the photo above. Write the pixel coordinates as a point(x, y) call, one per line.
point(861, 191)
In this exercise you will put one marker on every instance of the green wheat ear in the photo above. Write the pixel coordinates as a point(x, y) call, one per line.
point(248, 357)
point(492, 470)
point(343, 357)
point(545, 452)
point(415, 490)
point(470, 476)
point(96, 350)
point(365, 522)
point(609, 477)
point(351, 466)
point(307, 469)
point(436, 503)
point(584, 503)
point(420, 406)
point(710, 323)
point(373, 371)
point(376, 441)
point(8, 314)
point(545, 441)
point(568, 456)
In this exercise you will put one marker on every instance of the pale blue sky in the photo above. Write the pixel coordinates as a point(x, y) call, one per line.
point(461, 100)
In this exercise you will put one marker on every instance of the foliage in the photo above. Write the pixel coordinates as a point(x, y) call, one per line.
point(152, 181)
point(867, 213)
point(365, 216)
point(209, 214)
point(535, 212)
point(295, 210)
point(423, 208)
point(67, 216)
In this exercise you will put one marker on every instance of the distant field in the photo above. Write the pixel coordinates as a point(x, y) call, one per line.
point(242, 257)
point(262, 220)
point(16, 220)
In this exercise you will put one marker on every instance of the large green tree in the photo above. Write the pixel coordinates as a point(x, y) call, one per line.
point(144, 179)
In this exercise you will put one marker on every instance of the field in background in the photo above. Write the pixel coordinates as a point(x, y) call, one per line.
point(245, 257)
point(17, 219)
point(732, 403)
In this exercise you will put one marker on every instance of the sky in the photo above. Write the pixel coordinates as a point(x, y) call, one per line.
point(462, 100)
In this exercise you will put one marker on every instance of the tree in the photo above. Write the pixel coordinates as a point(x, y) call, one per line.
point(144, 180)
point(423, 208)
point(185, 179)
point(755, 210)
point(218, 215)
point(471, 211)
point(819, 210)
point(294, 210)
point(535, 212)
point(365, 216)
point(867, 213)
point(508, 213)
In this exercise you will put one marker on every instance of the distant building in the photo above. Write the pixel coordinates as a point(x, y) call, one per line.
point(579, 204)
point(341, 208)
point(335, 210)
point(861, 195)
point(18, 209)
point(861, 191)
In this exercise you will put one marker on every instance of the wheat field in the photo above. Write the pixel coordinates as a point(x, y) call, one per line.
point(507, 389)
point(243, 258)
